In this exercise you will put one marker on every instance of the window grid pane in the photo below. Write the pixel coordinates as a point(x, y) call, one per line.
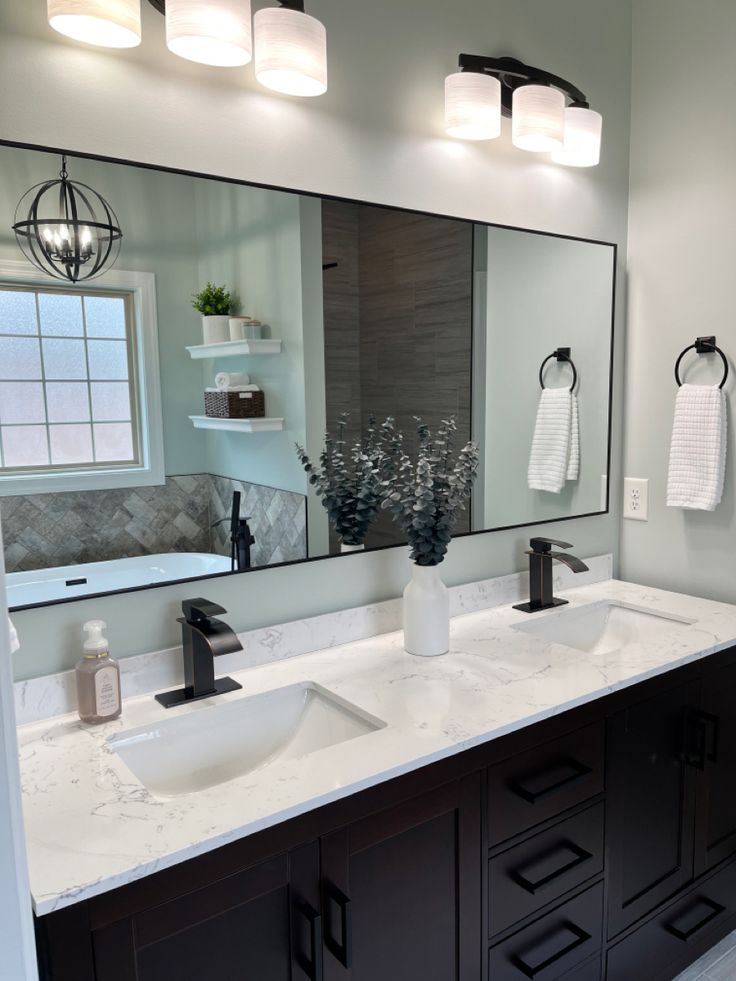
point(74, 401)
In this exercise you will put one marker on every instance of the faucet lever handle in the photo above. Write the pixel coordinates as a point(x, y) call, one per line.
point(199, 609)
point(541, 546)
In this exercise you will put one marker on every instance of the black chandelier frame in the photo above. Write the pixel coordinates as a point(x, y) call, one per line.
point(512, 74)
point(160, 5)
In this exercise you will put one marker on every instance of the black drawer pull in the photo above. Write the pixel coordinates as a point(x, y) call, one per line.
point(577, 771)
point(342, 949)
point(311, 965)
point(534, 885)
point(715, 910)
point(698, 725)
point(534, 970)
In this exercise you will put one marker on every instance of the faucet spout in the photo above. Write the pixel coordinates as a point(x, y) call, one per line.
point(571, 561)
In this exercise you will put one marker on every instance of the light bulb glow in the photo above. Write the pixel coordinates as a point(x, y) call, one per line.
point(538, 118)
point(582, 146)
point(290, 51)
point(106, 23)
point(472, 106)
point(211, 32)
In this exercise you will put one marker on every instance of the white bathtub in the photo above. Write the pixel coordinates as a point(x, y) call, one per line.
point(70, 581)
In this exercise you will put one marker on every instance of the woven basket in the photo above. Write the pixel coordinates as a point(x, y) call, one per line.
point(235, 405)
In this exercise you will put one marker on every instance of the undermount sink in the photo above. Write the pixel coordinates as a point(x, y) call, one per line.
point(599, 628)
point(217, 743)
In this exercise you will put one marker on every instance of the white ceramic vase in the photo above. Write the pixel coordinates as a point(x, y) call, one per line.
point(216, 329)
point(426, 613)
point(351, 548)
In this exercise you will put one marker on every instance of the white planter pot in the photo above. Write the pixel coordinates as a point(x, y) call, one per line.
point(426, 613)
point(216, 330)
point(351, 548)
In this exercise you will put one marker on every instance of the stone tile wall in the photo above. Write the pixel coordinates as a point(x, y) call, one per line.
point(41, 531)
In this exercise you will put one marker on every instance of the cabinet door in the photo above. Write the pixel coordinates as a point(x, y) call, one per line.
point(650, 810)
point(715, 837)
point(255, 925)
point(402, 891)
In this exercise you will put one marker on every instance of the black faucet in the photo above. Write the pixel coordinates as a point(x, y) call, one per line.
point(541, 558)
point(204, 638)
point(241, 537)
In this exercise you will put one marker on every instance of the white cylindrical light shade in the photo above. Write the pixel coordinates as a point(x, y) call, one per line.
point(290, 51)
point(582, 146)
point(211, 32)
point(472, 106)
point(538, 118)
point(108, 23)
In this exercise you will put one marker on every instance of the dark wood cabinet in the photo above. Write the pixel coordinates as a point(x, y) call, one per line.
point(650, 810)
point(402, 891)
point(597, 844)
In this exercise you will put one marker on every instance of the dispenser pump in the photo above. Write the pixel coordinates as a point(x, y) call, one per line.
point(96, 644)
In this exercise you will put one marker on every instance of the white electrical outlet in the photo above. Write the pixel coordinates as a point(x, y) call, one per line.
point(636, 498)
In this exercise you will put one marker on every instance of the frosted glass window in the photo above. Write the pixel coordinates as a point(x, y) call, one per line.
point(17, 312)
point(21, 402)
point(108, 359)
point(20, 358)
point(110, 401)
point(71, 444)
point(67, 401)
point(64, 358)
point(113, 441)
point(24, 446)
point(105, 316)
point(60, 314)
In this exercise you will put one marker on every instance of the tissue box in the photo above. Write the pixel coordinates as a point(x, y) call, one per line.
point(235, 405)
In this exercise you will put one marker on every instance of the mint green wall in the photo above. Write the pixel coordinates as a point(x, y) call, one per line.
point(377, 136)
point(159, 236)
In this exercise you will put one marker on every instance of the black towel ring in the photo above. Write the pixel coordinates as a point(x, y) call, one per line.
point(561, 354)
point(703, 345)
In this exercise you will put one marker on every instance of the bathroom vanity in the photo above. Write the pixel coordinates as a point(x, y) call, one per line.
point(553, 799)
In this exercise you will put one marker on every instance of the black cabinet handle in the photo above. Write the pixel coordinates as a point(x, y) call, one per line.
point(534, 885)
point(311, 965)
point(714, 910)
point(534, 970)
point(341, 949)
point(699, 726)
point(577, 772)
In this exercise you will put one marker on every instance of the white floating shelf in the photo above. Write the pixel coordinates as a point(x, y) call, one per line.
point(231, 349)
point(238, 425)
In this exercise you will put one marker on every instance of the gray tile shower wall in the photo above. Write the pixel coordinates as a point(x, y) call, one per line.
point(41, 531)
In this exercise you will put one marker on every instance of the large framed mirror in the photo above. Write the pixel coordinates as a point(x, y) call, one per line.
point(134, 433)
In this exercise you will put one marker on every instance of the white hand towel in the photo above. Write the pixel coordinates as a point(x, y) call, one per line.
point(573, 464)
point(698, 450)
point(235, 388)
point(555, 451)
point(13, 637)
point(229, 379)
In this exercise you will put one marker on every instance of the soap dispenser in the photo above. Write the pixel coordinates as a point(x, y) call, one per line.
point(98, 678)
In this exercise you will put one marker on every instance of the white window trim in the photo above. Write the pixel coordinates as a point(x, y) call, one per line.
point(142, 287)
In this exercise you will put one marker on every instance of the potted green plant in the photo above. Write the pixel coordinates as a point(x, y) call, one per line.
point(425, 493)
point(348, 481)
point(214, 303)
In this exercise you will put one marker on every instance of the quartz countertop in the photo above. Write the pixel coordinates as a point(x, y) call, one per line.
point(91, 826)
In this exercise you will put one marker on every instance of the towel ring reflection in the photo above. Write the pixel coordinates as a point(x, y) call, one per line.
point(561, 354)
point(703, 345)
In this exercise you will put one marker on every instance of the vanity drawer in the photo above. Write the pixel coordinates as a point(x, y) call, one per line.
point(534, 873)
point(679, 935)
point(544, 781)
point(556, 944)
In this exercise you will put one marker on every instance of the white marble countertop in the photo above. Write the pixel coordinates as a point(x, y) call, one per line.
point(91, 826)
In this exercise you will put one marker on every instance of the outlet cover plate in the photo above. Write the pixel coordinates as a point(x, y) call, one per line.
point(636, 498)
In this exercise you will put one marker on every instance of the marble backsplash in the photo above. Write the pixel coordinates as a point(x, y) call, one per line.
point(46, 530)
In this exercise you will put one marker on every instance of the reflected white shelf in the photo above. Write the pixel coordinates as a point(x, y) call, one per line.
point(230, 349)
point(238, 425)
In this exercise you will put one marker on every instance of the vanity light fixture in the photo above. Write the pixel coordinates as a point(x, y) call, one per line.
point(211, 32)
point(290, 50)
point(66, 229)
point(108, 23)
point(548, 113)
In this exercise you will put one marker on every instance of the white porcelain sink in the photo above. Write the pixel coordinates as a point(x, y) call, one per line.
point(599, 628)
point(217, 743)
